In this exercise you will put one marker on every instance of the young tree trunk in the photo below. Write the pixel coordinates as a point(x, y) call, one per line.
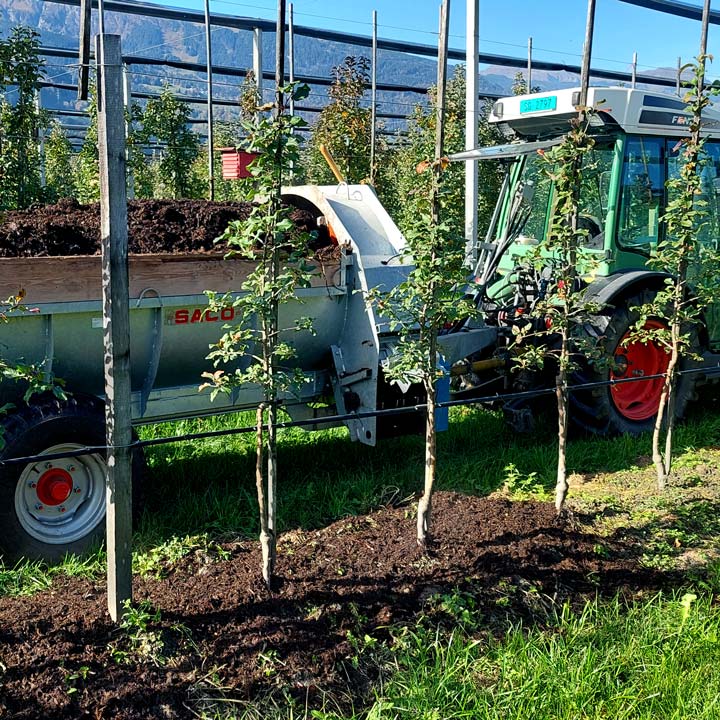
point(272, 490)
point(425, 502)
point(666, 409)
point(561, 393)
point(265, 536)
point(271, 397)
point(427, 320)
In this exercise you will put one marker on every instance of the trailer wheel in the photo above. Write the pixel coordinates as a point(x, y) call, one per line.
point(625, 408)
point(49, 508)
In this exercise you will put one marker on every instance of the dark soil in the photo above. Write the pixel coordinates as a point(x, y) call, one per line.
point(154, 226)
point(61, 657)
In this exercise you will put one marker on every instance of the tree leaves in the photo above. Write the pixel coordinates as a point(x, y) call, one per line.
point(20, 119)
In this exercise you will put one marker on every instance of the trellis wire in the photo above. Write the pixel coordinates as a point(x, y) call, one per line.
point(332, 419)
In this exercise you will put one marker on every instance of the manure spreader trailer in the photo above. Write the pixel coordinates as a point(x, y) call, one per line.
point(54, 506)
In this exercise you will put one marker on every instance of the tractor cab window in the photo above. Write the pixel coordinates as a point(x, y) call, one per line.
point(533, 175)
point(709, 202)
point(643, 190)
point(593, 198)
point(709, 170)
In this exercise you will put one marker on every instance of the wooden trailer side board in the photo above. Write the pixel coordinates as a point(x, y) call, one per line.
point(78, 279)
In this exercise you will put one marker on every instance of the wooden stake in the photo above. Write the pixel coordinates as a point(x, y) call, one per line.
point(587, 53)
point(116, 321)
point(472, 116)
point(373, 99)
point(442, 78)
point(425, 503)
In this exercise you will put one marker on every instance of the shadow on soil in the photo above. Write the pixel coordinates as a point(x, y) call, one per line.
point(221, 634)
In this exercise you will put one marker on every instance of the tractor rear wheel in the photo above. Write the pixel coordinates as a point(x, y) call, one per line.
point(626, 408)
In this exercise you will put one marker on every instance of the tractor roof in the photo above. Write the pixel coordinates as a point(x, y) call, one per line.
point(546, 114)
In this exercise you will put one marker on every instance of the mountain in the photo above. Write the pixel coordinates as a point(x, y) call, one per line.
point(58, 25)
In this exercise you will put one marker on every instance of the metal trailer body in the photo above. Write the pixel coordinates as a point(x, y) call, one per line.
point(171, 328)
point(44, 509)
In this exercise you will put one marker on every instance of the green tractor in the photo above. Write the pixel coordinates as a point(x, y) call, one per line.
point(622, 200)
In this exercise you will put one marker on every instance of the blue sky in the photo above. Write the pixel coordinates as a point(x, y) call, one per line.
point(557, 26)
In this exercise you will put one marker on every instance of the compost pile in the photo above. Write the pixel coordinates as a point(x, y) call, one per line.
point(154, 226)
point(221, 635)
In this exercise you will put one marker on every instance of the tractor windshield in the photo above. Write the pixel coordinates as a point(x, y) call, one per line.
point(593, 201)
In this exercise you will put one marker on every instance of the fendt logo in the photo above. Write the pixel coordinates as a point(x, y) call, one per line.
point(190, 316)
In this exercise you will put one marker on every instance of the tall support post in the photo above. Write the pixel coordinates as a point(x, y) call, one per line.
point(84, 45)
point(442, 83)
point(127, 102)
point(291, 53)
point(291, 68)
point(41, 142)
point(258, 62)
point(116, 321)
point(587, 53)
point(634, 70)
point(373, 100)
point(101, 18)
point(704, 37)
point(677, 77)
point(208, 57)
point(272, 405)
point(529, 66)
point(472, 116)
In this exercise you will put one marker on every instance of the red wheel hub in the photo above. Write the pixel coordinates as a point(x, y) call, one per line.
point(639, 400)
point(54, 486)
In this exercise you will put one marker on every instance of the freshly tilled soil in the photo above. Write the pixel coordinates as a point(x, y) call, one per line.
point(61, 657)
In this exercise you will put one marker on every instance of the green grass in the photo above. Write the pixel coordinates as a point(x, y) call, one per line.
point(658, 658)
point(650, 660)
point(653, 659)
point(209, 486)
point(28, 577)
point(206, 488)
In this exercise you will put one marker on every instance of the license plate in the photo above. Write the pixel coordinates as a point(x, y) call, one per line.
point(538, 104)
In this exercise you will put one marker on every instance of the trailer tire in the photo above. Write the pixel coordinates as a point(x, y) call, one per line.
point(626, 408)
point(51, 508)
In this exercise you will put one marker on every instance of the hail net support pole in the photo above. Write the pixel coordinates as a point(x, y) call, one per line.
point(84, 49)
point(472, 114)
point(280, 57)
point(258, 62)
point(529, 66)
point(41, 142)
point(291, 54)
point(373, 99)
point(587, 53)
point(116, 321)
point(704, 35)
point(291, 70)
point(127, 100)
point(208, 57)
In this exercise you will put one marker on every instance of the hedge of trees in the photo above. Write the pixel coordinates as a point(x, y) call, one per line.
point(177, 167)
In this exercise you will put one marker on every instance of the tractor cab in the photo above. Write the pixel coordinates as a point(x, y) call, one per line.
point(623, 195)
